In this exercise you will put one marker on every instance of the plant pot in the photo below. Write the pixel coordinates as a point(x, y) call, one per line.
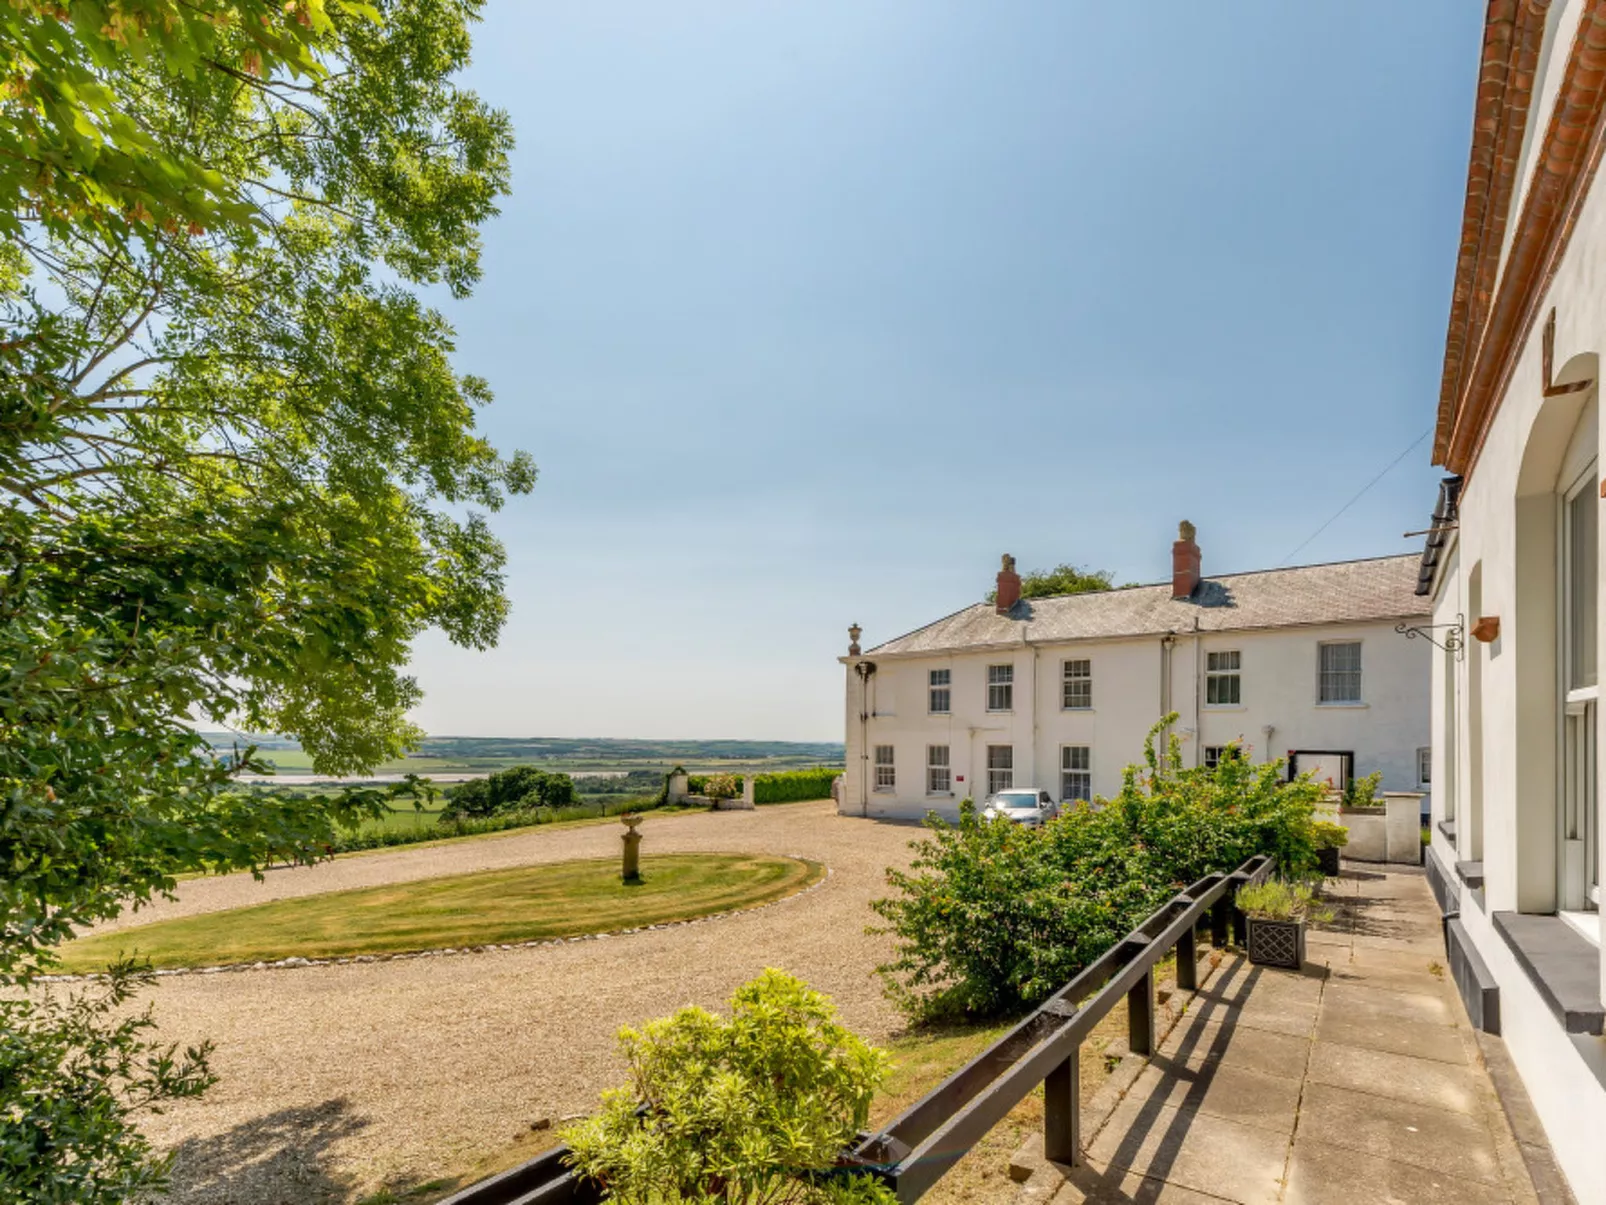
point(1277, 943)
point(1327, 859)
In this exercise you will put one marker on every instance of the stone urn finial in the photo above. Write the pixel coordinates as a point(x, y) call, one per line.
point(854, 632)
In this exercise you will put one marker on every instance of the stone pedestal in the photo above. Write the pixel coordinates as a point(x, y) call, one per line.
point(630, 865)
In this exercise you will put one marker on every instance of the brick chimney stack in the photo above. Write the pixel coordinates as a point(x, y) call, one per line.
point(1008, 585)
point(1184, 562)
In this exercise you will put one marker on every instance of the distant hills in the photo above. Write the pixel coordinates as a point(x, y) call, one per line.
point(482, 753)
point(535, 747)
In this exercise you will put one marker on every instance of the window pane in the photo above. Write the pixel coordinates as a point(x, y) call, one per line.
point(1340, 673)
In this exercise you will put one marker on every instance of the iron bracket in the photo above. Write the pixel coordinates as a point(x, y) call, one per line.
point(1454, 640)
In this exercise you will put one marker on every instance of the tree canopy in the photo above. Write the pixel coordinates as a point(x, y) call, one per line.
point(239, 470)
point(1062, 579)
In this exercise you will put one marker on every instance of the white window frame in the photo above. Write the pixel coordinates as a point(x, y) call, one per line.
point(1000, 770)
point(1224, 668)
point(1001, 688)
point(1076, 773)
point(934, 687)
point(1213, 755)
point(1424, 767)
point(1076, 692)
point(939, 770)
point(1322, 672)
point(886, 768)
point(1578, 799)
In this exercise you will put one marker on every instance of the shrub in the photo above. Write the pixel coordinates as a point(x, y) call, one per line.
point(722, 786)
point(1277, 900)
point(469, 826)
point(1362, 792)
point(77, 1071)
point(787, 786)
point(753, 1108)
point(991, 918)
point(1327, 835)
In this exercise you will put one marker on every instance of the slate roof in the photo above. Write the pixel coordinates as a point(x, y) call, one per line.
point(1345, 592)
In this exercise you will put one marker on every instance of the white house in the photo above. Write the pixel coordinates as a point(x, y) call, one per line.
point(1513, 569)
point(1058, 693)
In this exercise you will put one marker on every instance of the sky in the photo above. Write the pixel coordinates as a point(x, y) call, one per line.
point(808, 312)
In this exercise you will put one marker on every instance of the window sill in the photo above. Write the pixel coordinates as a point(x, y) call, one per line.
point(1561, 963)
point(1470, 873)
point(939, 794)
point(1585, 924)
point(1344, 706)
point(1226, 707)
point(990, 711)
point(942, 715)
point(1447, 827)
point(1077, 710)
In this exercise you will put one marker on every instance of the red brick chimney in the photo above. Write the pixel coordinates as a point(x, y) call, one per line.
point(1008, 585)
point(1184, 562)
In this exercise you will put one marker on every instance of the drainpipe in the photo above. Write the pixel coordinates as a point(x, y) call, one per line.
point(1198, 695)
point(1035, 701)
point(1166, 643)
point(866, 671)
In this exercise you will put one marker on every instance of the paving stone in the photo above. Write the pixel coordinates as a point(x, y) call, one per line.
point(1366, 1001)
point(1096, 1184)
point(1393, 1035)
point(1322, 1174)
point(1420, 1081)
point(1194, 1150)
point(1405, 1132)
point(1221, 1088)
point(1259, 1050)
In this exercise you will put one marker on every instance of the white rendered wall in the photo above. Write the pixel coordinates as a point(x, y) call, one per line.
point(1278, 682)
point(1565, 1075)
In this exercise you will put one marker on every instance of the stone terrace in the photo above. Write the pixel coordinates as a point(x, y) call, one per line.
point(1359, 1080)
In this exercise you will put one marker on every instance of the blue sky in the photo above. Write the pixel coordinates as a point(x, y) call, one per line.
point(810, 311)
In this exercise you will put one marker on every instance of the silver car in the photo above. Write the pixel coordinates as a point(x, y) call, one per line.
point(1022, 805)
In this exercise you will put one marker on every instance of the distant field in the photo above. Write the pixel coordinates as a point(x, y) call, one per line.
point(467, 755)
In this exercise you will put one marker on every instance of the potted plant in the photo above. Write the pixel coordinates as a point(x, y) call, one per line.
point(1277, 913)
point(1328, 838)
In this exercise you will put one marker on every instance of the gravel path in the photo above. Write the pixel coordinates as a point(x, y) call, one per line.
point(338, 1080)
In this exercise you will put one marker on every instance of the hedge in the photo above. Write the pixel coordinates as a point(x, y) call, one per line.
point(787, 786)
point(501, 822)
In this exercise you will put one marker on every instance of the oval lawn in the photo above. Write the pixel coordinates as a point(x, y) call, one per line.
point(494, 907)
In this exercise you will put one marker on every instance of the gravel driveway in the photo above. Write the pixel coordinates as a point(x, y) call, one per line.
point(339, 1080)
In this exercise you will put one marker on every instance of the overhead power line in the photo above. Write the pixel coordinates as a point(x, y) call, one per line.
point(1336, 514)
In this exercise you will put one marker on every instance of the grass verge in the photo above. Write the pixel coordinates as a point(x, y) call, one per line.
point(530, 903)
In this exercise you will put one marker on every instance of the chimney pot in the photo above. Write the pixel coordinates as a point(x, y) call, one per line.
point(1008, 585)
point(1184, 562)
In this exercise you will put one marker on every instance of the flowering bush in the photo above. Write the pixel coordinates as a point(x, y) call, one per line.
point(993, 917)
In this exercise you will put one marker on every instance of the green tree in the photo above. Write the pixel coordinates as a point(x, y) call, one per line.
point(74, 154)
point(752, 1108)
point(238, 470)
point(1062, 579)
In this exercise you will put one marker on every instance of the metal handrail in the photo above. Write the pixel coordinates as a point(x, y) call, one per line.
point(923, 1142)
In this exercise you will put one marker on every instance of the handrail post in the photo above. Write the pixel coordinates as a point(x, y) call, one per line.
point(1140, 1015)
point(1062, 1112)
point(1220, 921)
point(1240, 923)
point(1187, 962)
